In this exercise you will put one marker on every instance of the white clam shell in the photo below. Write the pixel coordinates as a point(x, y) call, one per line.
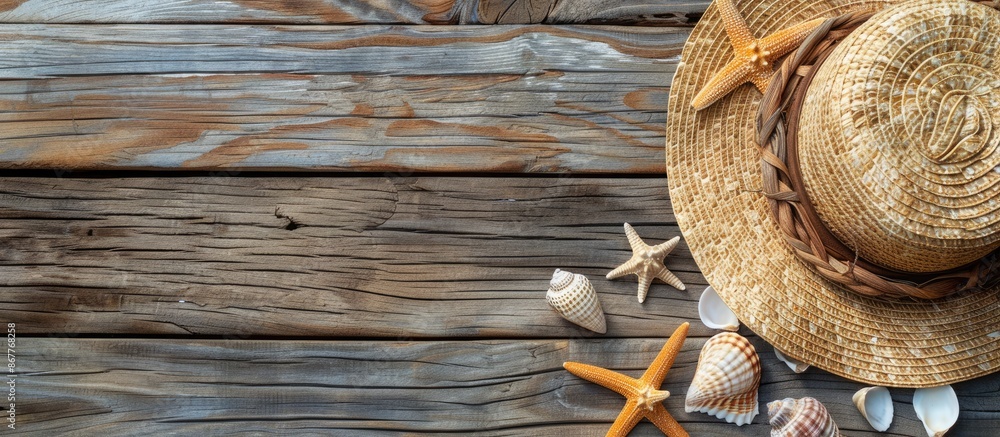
point(796, 365)
point(726, 381)
point(805, 417)
point(714, 313)
point(875, 403)
point(574, 298)
point(937, 408)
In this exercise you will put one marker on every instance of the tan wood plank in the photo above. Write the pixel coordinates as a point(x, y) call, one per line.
point(636, 12)
point(353, 256)
point(149, 386)
point(509, 99)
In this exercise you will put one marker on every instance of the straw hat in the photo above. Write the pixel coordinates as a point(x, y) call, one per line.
point(892, 192)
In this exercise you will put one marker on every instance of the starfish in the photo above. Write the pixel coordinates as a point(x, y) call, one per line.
point(647, 263)
point(753, 56)
point(643, 395)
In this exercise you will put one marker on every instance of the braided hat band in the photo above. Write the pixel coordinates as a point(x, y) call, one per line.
point(777, 126)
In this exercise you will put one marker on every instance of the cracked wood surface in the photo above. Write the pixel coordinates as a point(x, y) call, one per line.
point(481, 387)
point(351, 98)
point(635, 12)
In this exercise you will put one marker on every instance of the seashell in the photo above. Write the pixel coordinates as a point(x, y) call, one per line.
point(795, 365)
point(574, 298)
point(875, 404)
point(937, 407)
point(805, 417)
point(726, 380)
point(714, 313)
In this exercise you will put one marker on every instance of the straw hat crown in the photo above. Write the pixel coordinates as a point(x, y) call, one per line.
point(895, 133)
point(899, 133)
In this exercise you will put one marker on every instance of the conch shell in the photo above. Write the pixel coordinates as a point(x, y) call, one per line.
point(875, 404)
point(726, 380)
point(574, 298)
point(937, 408)
point(805, 417)
point(714, 313)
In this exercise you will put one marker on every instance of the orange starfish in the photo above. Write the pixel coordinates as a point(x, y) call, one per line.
point(643, 395)
point(753, 56)
point(647, 263)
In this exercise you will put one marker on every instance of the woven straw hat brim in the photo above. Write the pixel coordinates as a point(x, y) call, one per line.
point(714, 175)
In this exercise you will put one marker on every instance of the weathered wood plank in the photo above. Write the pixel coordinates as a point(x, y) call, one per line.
point(38, 51)
point(491, 122)
point(644, 13)
point(366, 98)
point(371, 256)
point(636, 12)
point(133, 386)
point(631, 12)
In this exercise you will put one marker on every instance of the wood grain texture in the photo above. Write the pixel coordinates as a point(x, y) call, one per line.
point(189, 387)
point(630, 12)
point(364, 98)
point(329, 256)
point(635, 12)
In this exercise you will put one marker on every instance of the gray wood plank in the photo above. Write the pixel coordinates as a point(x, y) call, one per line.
point(37, 51)
point(485, 387)
point(636, 12)
point(510, 99)
point(640, 13)
point(350, 256)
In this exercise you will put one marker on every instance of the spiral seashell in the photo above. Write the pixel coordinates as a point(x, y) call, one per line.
point(937, 408)
point(875, 404)
point(726, 380)
point(907, 112)
point(574, 298)
point(805, 417)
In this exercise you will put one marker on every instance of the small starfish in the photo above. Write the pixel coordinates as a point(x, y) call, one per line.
point(643, 395)
point(753, 56)
point(647, 263)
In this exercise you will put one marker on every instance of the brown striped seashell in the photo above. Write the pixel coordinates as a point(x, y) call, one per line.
point(574, 298)
point(805, 417)
point(726, 380)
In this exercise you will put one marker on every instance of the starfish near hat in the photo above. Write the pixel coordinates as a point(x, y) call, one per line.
point(754, 57)
point(850, 216)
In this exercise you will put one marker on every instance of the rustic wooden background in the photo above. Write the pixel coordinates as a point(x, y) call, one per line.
point(331, 217)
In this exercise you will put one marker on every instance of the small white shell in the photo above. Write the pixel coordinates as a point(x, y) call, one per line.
point(714, 313)
point(875, 404)
point(795, 365)
point(574, 298)
point(726, 380)
point(805, 417)
point(937, 407)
